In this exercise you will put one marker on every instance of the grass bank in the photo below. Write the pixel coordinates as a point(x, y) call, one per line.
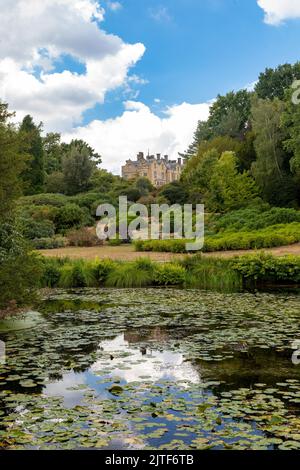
point(190, 272)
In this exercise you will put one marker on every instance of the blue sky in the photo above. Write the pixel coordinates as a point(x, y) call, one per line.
point(196, 49)
point(136, 75)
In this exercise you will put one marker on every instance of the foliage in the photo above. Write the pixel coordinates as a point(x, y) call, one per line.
point(229, 189)
point(83, 237)
point(19, 269)
point(49, 243)
point(273, 83)
point(267, 268)
point(169, 275)
point(55, 183)
point(70, 216)
point(273, 236)
point(12, 164)
point(32, 229)
point(34, 174)
point(271, 168)
point(255, 218)
point(77, 170)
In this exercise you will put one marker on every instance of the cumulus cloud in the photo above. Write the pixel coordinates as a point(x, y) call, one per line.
point(139, 129)
point(37, 35)
point(276, 11)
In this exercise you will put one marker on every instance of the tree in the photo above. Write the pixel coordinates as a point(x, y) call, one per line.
point(78, 167)
point(53, 153)
point(228, 189)
point(175, 193)
point(19, 269)
point(228, 116)
point(34, 175)
point(291, 122)
point(12, 164)
point(271, 168)
point(273, 83)
point(81, 145)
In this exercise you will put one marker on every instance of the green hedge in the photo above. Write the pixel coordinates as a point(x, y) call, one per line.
point(277, 235)
point(49, 243)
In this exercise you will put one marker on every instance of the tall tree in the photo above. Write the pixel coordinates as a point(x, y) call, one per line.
point(273, 83)
point(34, 175)
point(228, 189)
point(271, 168)
point(78, 166)
point(229, 116)
point(12, 164)
point(53, 153)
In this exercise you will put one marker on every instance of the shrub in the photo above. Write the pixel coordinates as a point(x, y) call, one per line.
point(169, 275)
point(32, 229)
point(49, 243)
point(71, 216)
point(277, 235)
point(256, 218)
point(115, 242)
point(56, 200)
point(83, 237)
point(20, 269)
point(78, 274)
point(267, 268)
point(51, 273)
point(102, 270)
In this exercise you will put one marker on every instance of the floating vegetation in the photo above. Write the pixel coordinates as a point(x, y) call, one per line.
point(153, 369)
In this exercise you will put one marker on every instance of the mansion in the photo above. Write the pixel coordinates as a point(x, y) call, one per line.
point(158, 170)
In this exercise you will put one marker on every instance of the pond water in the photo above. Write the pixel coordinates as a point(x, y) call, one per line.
point(152, 369)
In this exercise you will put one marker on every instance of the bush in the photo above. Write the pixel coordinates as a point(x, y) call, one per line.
point(51, 273)
point(83, 237)
point(55, 200)
point(256, 219)
point(49, 243)
point(71, 216)
point(20, 269)
point(78, 274)
point(267, 268)
point(169, 275)
point(31, 229)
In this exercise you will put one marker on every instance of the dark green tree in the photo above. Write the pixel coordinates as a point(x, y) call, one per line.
point(34, 175)
point(273, 83)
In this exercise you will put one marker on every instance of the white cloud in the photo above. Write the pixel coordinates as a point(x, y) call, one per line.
point(276, 11)
point(160, 14)
point(114, 6)
point(39, 33)
point(139, 129)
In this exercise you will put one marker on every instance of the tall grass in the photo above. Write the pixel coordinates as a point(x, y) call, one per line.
point(192, 272)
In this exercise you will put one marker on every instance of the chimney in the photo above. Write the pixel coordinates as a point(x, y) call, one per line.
point(158, 156)
point(140, 156)
point(166, 158)
point(179, 161)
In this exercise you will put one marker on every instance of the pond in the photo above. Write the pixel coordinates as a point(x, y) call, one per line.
point(152, 369)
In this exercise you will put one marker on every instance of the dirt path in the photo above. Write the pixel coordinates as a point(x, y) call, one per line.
point(127, 253)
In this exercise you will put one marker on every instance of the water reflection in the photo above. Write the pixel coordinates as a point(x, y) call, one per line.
point(125, 363)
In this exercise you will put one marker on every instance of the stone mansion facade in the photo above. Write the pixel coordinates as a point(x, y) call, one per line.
point(158, 170)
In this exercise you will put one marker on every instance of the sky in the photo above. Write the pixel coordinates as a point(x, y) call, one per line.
point(136, 75)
